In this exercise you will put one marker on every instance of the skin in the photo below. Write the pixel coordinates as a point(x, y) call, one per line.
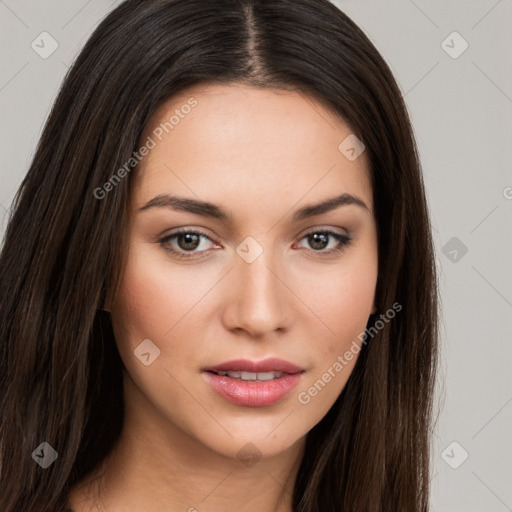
point(259, 154)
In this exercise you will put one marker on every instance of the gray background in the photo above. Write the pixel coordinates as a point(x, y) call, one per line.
point(461, 111)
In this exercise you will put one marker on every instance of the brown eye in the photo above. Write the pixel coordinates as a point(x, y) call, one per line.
point(185, 243)
point(319, 240)
point(190, 241)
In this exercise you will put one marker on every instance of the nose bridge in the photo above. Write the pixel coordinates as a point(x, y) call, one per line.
point(258, 278)
point(259, 299)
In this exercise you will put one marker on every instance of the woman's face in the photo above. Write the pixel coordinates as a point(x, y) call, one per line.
point(257, 278)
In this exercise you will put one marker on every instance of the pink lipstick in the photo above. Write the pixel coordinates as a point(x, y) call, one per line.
point(253, 383)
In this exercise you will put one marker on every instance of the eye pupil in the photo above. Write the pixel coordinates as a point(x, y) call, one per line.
point(318, 238)
point(191, 239)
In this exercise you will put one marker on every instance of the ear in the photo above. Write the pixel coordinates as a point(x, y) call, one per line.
point(374, 310)
point(106, 305)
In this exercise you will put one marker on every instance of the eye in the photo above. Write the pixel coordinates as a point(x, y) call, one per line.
point(187, 240)
point(319, 240)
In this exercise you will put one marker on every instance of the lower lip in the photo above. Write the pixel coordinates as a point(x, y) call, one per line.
point(252, 393)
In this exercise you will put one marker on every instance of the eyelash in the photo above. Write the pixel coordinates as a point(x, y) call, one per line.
point(343, 242)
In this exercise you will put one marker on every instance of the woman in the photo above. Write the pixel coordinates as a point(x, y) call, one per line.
point(218, 280)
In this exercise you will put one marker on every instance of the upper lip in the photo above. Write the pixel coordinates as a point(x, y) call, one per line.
point(246, 365)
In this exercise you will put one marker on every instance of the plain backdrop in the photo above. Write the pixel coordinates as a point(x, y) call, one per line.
point(453, 62)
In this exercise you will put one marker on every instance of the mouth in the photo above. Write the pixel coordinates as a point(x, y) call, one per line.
point(251, 376)
point(253, 383)
point(244, 366)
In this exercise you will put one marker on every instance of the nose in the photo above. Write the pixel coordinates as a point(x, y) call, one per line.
point(258, 301)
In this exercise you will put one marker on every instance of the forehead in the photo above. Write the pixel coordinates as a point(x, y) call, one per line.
point(244, 142)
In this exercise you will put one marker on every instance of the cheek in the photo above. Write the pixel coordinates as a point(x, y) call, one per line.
point(344, 312)
point(148, 303)
point(156, 301)
point(343, 300)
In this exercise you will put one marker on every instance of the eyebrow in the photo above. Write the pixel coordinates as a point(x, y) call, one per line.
point(216, 212)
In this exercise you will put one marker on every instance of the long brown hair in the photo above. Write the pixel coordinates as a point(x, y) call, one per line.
point(61, 379)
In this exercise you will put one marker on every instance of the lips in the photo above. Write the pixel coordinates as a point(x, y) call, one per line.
point(251, 375)
point(253, 383)
point(246, 365)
